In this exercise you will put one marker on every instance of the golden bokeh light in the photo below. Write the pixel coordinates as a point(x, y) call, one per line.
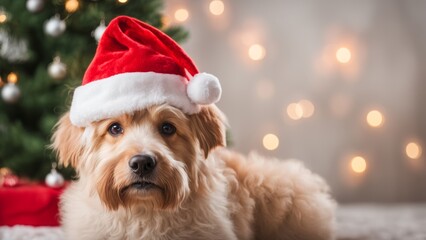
point(343, 55)
point(270, 141)
point(122, 1)
point(1, 82)
point(375, 118)
point(358, 164)
point(295, 111)
point(71, 5)
point(12, 78)
point(217, 7)
point(165, 21)
point(308, 108)
point(3, 17)
point(181, 15)
point(256, 52)
point(413, 150)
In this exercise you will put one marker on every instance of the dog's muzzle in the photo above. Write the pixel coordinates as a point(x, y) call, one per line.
point(142, 164)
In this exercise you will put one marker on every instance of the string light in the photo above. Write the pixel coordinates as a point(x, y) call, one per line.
point(270, 141)
point(295, 111)
point(343, 55)
point(307, 108)
point(71, 5)
point(12, 78)
point(256, 52)
point(165, 21)
point(217, 7)
point(413, 150)
point(122, 1)
point(358, 164)
point(181, 15)
point(3, 16)
point(375, 118)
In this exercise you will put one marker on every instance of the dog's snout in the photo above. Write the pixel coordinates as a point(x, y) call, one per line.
point(142, 164)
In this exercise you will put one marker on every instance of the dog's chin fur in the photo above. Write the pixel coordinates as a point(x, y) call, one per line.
point(198, 189)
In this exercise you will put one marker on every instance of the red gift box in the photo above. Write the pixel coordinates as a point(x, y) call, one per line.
point(29, 204)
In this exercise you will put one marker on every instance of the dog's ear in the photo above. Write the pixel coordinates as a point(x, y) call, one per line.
point(209, 127)
point(66, 141)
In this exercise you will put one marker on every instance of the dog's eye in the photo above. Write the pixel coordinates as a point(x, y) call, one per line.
point(167, 129)
point(115, 129)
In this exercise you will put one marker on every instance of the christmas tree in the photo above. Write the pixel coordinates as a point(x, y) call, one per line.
point(45, 47)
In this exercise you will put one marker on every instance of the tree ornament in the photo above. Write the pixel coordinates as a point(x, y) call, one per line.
point(7, 178)
point(35, 5)
point(54, 179)
point(13, 49)
point(54, 26)
point(10, 93)
point(4, 16)
point(10, 180)
point(71, 5)
point(97, 33)
point(57, 69)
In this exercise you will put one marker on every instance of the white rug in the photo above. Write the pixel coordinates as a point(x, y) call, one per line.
point(382, 222)
point(354, 222)
point(33, 233)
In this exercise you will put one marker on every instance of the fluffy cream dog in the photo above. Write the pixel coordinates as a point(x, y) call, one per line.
point(159, 173)
point(147, 143)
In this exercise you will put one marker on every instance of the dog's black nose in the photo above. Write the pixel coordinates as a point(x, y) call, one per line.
point(142, 164)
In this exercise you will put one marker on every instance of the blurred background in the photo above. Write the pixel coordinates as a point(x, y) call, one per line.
point(336, 84)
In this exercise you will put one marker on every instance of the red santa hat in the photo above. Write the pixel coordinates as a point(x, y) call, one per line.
point(137, 66)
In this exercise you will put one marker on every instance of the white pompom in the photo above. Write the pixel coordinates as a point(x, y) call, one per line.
point(204, 89)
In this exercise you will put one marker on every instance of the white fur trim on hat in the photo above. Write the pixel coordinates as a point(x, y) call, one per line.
point(204, 89)
point(128, 92)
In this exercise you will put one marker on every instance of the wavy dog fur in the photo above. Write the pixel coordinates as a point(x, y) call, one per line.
point(203, 191)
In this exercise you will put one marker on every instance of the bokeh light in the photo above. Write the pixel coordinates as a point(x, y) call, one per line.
point(165, 21)
point(295, 111)
point(71, 5)
point(12, 77)
point(256, 52)
point(270, 141)
point(3, 16)
point(375, 118)
point(308, 108)
point(1, 82)
point(413, 150)
point(216, 7)
point(181, 15)
point(358, 164)
point(122, 1)
point(343, 55)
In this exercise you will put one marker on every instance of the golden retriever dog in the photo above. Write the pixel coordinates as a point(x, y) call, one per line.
point(159, 173)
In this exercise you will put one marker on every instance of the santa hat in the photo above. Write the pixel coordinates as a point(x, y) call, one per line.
point(137, 66)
